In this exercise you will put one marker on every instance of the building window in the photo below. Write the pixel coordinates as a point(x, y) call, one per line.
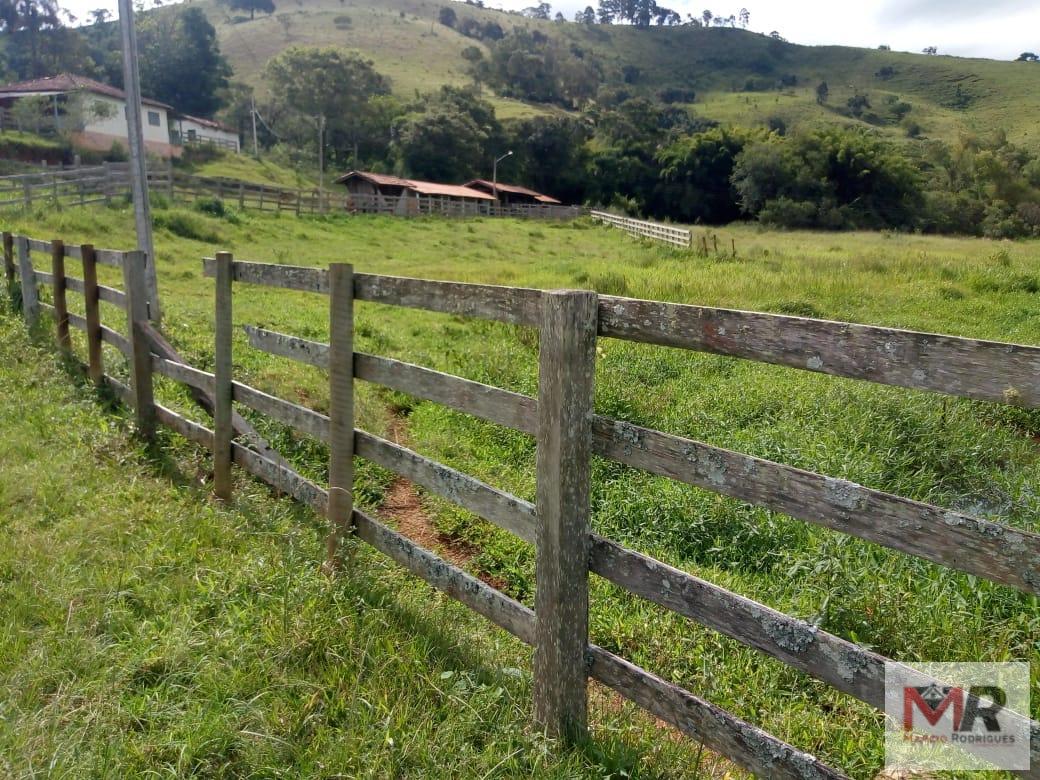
point(154, 119)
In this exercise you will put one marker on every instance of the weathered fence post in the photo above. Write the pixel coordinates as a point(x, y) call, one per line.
point(341, 409)
point(30, 295)
point(92, 307)
point(9, 259)
point(61, 307)
point(222, 424)
point(567, 364)
point(140, 354)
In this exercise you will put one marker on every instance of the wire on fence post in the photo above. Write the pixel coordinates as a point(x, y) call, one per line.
point(61, 308)
point(567, 364)
point(92, 308)
point(341, 410)
point(140, 353)
point(222, 423)
point(30, 295)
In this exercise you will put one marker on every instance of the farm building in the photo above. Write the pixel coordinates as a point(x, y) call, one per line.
point(406, 196)
point(94, 115)
point(193, 130)
point(512, 194)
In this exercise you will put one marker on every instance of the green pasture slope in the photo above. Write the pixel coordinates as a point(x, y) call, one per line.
point(146, 631)
point(949, 95)
point(206, 627)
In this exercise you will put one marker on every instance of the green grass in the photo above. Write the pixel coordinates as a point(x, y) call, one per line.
point(971, 456)
point(148, 631)
point(244, 167)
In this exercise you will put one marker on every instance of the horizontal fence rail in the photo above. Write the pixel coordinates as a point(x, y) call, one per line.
point(679, 237)
point(962, 367)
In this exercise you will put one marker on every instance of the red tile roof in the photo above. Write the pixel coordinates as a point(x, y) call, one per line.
point(69, 82)
point(514, 188)
point(421, 187)
point(448, 190)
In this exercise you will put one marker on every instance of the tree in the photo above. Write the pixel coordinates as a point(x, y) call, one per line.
point(100, 15)
point(450, 139)
point(822, 92)
point(858, 104)
point(695, 174)
point(1028, 56)
point(836, 178)
point(326, 85)
point(931, 50)
point(588, 16)
point(30, 18)
point(181, 63)
point(745, 18)
point(541, 11)
point(264, 6)
point(447, 16)
point(707, 16)
point(550, 155)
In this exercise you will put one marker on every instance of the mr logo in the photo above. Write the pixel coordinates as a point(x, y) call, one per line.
point(932, 701)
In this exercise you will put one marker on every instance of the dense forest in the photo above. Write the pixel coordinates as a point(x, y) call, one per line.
point(608, 142)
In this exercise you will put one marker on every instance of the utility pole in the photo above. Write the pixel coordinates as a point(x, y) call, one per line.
point(252, 115)
point(321, 158)
point(138, 163)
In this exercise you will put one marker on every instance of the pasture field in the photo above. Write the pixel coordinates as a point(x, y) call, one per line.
point(970, 456)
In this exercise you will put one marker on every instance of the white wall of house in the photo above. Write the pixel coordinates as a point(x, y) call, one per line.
point(105, 121)
point(113, 119)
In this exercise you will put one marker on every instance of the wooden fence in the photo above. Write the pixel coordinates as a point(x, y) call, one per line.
point(680, 237)
point(102, 183)
point(568, 433)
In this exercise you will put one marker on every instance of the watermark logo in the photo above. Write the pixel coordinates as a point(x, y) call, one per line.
point(957, 716)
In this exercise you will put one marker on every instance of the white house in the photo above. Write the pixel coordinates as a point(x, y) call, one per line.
point(94, 114)
point(190, 130)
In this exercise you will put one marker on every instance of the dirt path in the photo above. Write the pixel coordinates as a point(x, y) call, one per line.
point(403, 506)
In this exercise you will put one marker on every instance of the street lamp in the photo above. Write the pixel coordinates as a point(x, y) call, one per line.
point(494, 173)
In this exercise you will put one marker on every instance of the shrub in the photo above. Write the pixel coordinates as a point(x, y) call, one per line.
point(784, 212)
point(187, 225)
point(1001, 221)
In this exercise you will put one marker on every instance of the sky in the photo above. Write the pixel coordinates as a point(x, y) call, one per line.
point(1000, 29)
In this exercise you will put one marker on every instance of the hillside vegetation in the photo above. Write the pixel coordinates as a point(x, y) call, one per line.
point(974, 457)
point(407, 43)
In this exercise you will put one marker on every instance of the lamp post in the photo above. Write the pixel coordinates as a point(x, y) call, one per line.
point(494, 173)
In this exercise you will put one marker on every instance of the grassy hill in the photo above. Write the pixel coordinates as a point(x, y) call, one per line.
point(733, 71)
